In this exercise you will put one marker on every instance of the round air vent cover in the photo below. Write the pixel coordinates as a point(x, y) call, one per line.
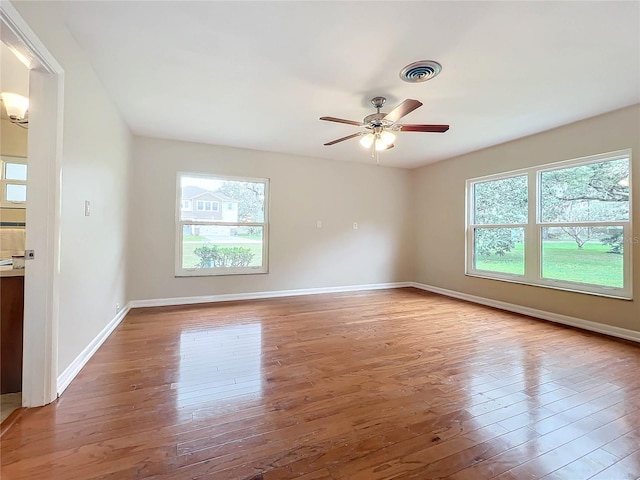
point(420, 71)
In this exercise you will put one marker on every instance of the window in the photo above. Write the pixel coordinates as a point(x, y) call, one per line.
point(204, 206)
point(229, 244)
point(13, 182)
point(185, 205)
point(565, 225)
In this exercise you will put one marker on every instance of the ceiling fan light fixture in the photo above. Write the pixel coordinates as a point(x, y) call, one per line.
point(387, 138)
point(367, 140)
point(380, 145)
point(16, 105)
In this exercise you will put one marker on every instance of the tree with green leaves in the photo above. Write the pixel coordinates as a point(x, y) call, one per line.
point(587, 193)
point(250, 197)
point(500, 202)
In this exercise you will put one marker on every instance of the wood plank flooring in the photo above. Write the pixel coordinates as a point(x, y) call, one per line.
point(389, 384)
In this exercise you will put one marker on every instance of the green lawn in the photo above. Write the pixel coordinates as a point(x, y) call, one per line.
point(563, 260)
point(257, 236)
point(193, 238)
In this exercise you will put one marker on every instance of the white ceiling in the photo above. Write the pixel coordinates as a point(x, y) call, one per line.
point(259, 74)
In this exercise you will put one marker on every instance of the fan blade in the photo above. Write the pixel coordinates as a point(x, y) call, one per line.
point(401, 110)
point(344, 138)
point(424, 128)
point(342, 120)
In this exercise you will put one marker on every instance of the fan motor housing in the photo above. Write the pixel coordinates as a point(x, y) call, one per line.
point(376, 120)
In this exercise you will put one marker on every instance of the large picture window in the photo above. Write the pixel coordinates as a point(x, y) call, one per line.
point(566, 225)
point(215, 241)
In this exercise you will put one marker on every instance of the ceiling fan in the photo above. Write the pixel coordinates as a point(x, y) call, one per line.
point(380, 127)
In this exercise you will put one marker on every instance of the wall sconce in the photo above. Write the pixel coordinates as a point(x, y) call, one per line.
point(17, 107)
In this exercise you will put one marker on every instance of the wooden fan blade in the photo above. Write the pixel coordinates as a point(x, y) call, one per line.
point(424, 128)
point(344, 138)
point(342, 120)
point(401, 110)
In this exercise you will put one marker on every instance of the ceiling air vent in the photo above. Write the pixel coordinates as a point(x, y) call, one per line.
point(420, 71)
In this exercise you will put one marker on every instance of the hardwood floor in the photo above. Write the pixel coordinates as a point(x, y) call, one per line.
point(393, 384)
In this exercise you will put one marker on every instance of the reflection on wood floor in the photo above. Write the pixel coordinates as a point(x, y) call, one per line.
point(390, 384)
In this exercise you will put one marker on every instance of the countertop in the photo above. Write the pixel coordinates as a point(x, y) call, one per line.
point(9, 271)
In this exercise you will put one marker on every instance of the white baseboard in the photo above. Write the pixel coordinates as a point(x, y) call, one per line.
point(532, 312)
point(65, 378)
point(163, 302)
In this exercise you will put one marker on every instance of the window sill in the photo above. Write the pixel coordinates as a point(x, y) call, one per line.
point(615, 293)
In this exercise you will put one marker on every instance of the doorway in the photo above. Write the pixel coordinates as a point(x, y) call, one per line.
point(44, 143)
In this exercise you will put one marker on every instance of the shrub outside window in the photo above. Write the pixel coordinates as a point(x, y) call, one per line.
point(565, 225)
point(215, 241)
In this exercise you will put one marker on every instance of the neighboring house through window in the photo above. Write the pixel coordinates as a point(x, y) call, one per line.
point(211, 240)
point(565, 225)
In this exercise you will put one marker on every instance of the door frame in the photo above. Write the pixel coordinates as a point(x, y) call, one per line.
point(44, 154)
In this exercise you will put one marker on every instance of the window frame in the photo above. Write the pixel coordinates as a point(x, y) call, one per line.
point(533, 229)
point(181, 223)
point(4, 182)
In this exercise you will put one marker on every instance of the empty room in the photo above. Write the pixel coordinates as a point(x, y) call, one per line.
point(313, 240)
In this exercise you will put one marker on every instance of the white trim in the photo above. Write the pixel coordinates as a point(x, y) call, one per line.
point(162, 302)
point(65, 378)
point(533, 312)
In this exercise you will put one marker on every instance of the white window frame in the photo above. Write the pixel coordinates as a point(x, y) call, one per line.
point(186, 205)
point(4, 159)
point(533, 231)
point(180, 224)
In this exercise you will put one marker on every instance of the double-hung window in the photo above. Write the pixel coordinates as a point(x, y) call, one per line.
point(215, 241)
point(13, 182)
point(565, 225)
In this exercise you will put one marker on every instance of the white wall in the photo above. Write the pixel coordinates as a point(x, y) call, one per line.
point(439, 196)
point(303, 190)
point(95, 167)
